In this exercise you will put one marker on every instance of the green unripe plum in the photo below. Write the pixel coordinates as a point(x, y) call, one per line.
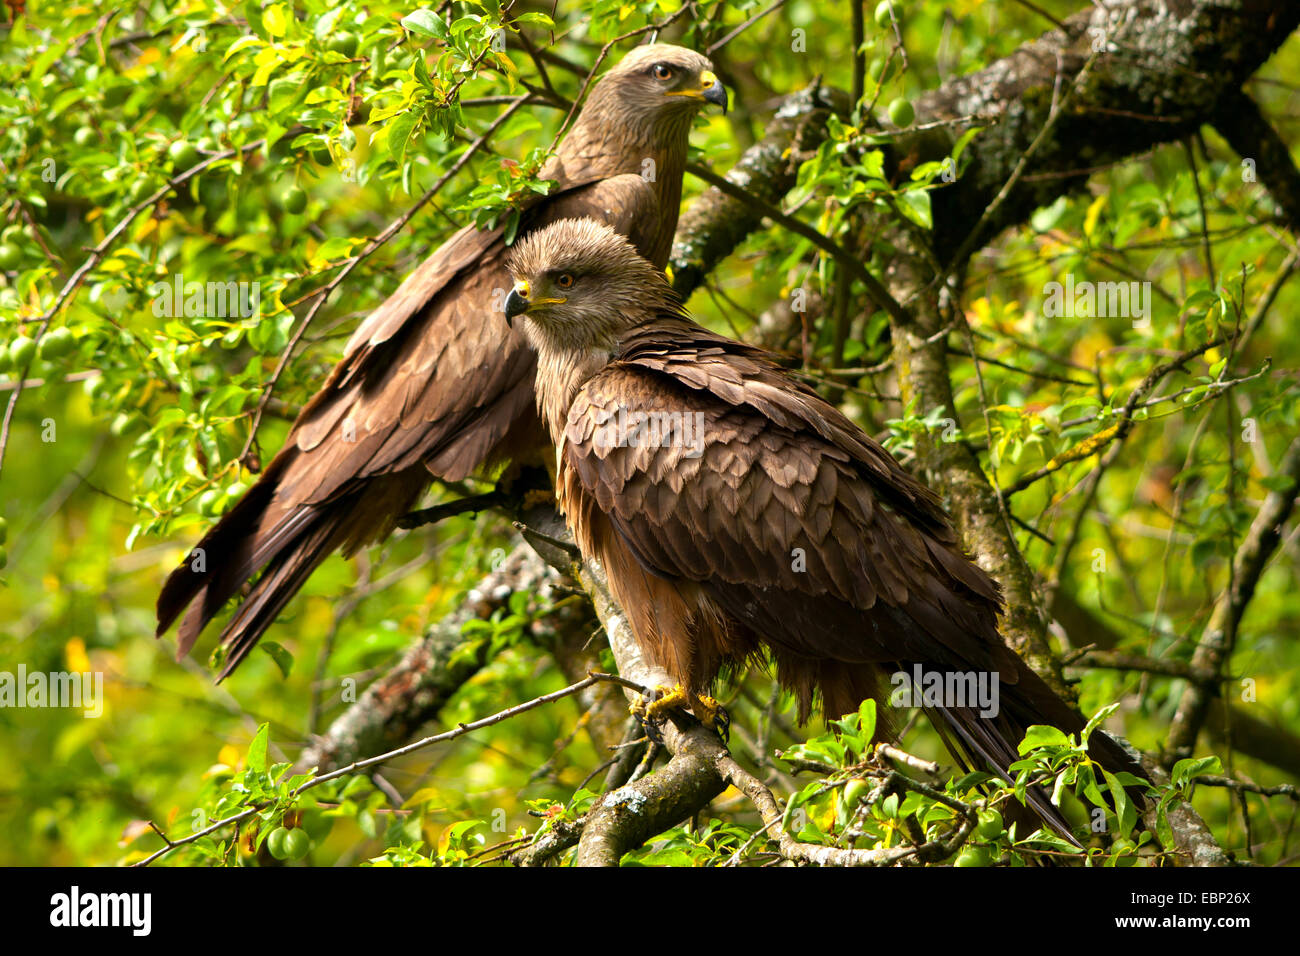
point(990, 825)
point(293, 200)
point(343, 42)
point(901, 112)
point(296, 844)
point(22, 350)
point(57, 343)
point(275, 843)
point(973, 856)
point(182, 154)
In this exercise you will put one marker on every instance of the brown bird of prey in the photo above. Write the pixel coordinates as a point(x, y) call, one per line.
point(736, 512)
point(434, 383)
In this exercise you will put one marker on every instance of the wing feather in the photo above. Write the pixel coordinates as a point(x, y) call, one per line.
point(786, 515)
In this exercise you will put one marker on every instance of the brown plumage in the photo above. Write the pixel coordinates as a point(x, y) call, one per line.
point(434, 384)
point(773, 524)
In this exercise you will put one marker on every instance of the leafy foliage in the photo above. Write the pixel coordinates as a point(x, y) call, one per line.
point(183, 184)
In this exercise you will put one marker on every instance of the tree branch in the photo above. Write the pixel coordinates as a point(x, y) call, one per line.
point(1220, 635)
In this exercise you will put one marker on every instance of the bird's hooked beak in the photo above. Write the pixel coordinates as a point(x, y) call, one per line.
point(520, 300)
point(711, 90)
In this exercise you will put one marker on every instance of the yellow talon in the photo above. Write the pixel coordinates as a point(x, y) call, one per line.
point(712, 714)
point(705, 709)
point(667, 698)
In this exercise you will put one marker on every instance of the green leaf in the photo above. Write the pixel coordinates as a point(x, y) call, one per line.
point(1048, 216)
point(915, 204)
point(400, 131)
point(283, 659)
point(425, 23)
point(867, 715)
point(1189, 768)
point(257, 749)
point(1041, 735)
point(275, 20)
point(325, 25)
point(1124, 808)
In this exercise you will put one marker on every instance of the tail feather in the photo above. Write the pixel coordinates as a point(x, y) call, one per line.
point(977, 744)
point(281, 580)
point(992, 742)
point(267, 537)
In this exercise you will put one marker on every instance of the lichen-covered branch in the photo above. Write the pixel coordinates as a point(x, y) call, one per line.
point(393, 708)
point(623, 819)
point(1167, 66)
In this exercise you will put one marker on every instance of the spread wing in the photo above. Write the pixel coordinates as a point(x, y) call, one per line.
point(433, 384)
point(435, 374)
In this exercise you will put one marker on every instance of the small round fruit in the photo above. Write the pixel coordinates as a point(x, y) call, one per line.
point(990, 825)
point(22, 350)
point(293, 200)
point(854, 791)
point(296, 844)
point(343, 42)
point(182, 154)
point(85, 136)
point(4, 530)
point(10, 256)
point(209, 500)
point(877, 70)
point(901, 112)
point(973, 856)
point(883, 18)
point(141, 190)
point(57, 343)
point(275, 843)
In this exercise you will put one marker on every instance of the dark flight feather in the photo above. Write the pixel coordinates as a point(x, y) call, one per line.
point(434, 383)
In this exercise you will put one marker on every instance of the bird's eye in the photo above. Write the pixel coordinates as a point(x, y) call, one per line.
point(564, 281)
point(663, 71)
